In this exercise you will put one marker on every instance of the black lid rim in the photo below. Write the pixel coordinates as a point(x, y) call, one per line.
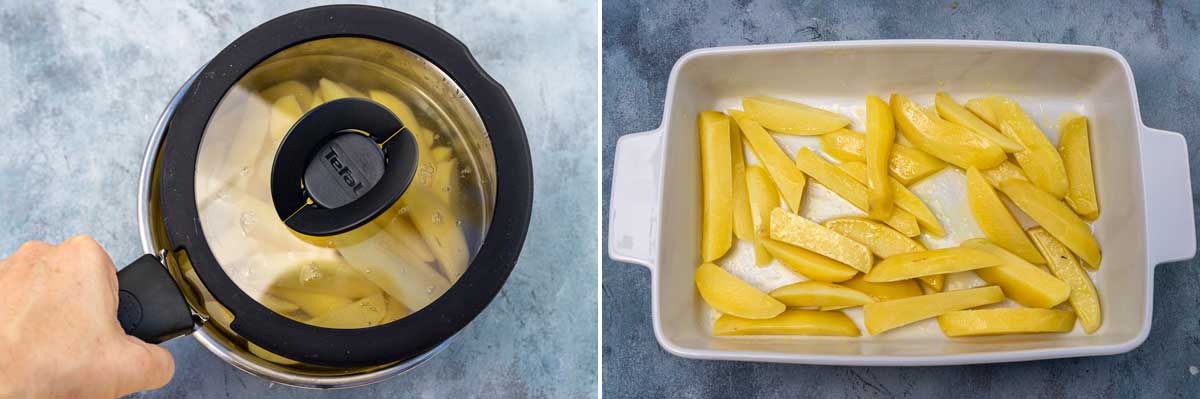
point(423, 329)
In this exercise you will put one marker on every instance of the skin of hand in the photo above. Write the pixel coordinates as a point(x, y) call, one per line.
point(59, 334)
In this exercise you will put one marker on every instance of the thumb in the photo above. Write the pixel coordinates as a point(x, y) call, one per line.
point(139, 366)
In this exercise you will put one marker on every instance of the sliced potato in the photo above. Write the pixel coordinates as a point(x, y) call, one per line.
point(1076, 154)
point(844, 185)
point(445, 181)
point(329, 90)
point(323, 272)
point(809, 264)
point(819, 294)
point(1006, 170)
point(969, 323)
point(441, 153)
point(884, 316)
point(316, 305)
point(299, 91)
point(1056, 217)
point(1062, 264)
point(1040, 161)
point(718, 185)
point(884, 291)
point(268, 355)
point(743, 222)
point(284, 113)
point(397, 106)
point(903, 199)
point(796, 230)
point(790, 322)
point(935, 283)
point(382, 261)
point(791, 117)
point(438, 225)
point(883, 241)
point(1021, 281)
point(763, 197)
point(982, 107)
point(994, 219)
point(363, 313)
point(789, 180)
point(907, 164)
point(732, 296)
point(402, 229)
point(881, 134)
point(927, 263)
point(945, 140)
point(952, 111)
point(276, 304)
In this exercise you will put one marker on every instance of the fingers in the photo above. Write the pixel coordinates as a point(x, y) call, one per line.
point(93, 260)
point(30, 250)
point(139, 366)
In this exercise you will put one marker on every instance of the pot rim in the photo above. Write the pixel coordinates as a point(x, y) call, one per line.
point(206, 339)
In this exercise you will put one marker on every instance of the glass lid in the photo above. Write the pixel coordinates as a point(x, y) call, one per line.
point(384, 269)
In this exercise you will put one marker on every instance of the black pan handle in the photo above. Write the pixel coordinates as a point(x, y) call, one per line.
point(151, 306)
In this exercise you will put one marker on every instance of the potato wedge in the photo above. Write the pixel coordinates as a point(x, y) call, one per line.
point(883, 241)
point(397, 106)
point(402, 229)
point(277, 304)
point(732, 296)
point(903, 199)
point(952, 143)
point(316, 305)
point(438, 225)
point(927, 263)
point(788, 179)
point(840, 182)
point(299, 91)
point(796, 230)
point(1062, 264)
point(819, 294)
point(446, 182)
point(970, 323)
point(791, 117)
point(763, 197)
point(363, 313)
point(330, 90)
point(883, 316)
point(381, 260)
point(954, 112)
point(743, 222)
point(1076, 154)
point(717, 179)
point(791, 322)
point(809, 264)
point(907, 164)
point(268, 355)
point(881, 134)
point(1006, 170)
point(1021, 281)
point(284, 113)
point(324, 273)
point(441, 153)
point(1040, 161)
point(994, 219)
point(884, 291)
point(982, 107)
point(936, 283)
point(1056, 217)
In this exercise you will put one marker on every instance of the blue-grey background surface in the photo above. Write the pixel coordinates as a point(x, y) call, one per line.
point(82, 84)
point(642, 40)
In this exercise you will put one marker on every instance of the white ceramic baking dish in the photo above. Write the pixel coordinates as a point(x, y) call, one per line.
point(1142, 177)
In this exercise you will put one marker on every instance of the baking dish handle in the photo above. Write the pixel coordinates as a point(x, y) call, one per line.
point(633, 203)
point(1168, 196)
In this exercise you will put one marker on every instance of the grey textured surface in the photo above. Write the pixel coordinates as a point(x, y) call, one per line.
point(84, 81)
point(642, 40)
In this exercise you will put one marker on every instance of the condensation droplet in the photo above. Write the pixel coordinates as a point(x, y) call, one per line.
point(429, 290)
point(458, 222)
point(309, 273)
point(246, 171)
point(223, 195)
point(248, 221)
point(402, 211)
point(437, 217)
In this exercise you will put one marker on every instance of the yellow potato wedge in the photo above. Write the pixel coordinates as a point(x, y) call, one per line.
point(269, 356)
point(903, 199)
point(819, 294)
point(438, 225)
point(380, 259)
point(952, 143)
point(717, 181)
point(1076, 154)
point(297, 90)
point(219, 314)
point(883, 241)
point(325, 273)
point(970, 323)
point(883, 316)
point(884, 291)
point(982, 107)
point(809, 264)
point(1021, 281)
point(844, 185)
point(276, 304)
point(1062, 264)
point(732, 296)
point(1056, 217)
point(743, 222)
point(935, 283)
point(402, 229)
point(927, 263)
point(907, 164)
point(763, 197)
point(1006, 170)
point(1040, 161)
point(791, 322)
point(363, 313)
point(791, 117)
point(284, 113)
point(788, 179)
point(954, 112)
point(994, 219)
point(441, 153)
point(316, 305)
point(394, 104)
point(881, 134)
point(446, 182)
point(796, 230)
point(330, 90)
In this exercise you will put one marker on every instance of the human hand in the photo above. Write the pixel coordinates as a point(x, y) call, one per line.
point(59, 334)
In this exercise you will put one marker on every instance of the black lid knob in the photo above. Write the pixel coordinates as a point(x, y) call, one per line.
point(340, 166)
